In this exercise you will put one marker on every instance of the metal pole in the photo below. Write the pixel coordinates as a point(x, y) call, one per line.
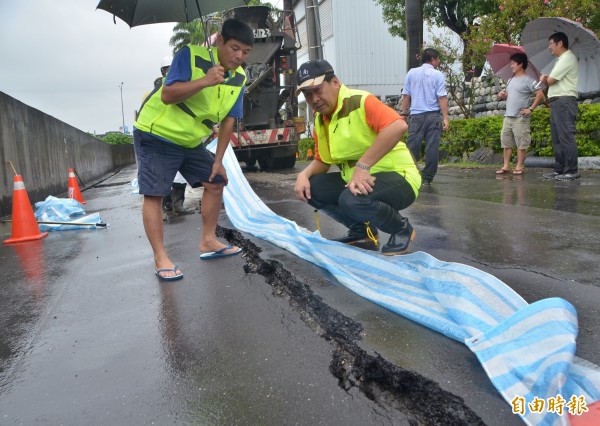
point(122, 110)
point(313, 29)
point(13, 168)
point(288, 8)
point(99, 224)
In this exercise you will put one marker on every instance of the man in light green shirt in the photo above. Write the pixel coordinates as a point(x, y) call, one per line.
point(562, 94)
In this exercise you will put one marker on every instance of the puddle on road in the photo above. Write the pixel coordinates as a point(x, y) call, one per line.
point(387, 384)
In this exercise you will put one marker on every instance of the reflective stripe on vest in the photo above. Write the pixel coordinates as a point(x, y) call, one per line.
point(189, 122)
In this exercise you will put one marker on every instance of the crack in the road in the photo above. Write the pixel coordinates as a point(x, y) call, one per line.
point(392, 387)
point(513, 267)
point(108, 185)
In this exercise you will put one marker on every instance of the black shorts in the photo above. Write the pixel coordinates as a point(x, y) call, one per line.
point(158, 161)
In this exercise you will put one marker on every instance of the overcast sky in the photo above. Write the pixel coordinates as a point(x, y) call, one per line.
point(68, 59)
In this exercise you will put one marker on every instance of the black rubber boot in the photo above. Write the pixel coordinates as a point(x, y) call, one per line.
point(167, 204)
point(400, 230)
point(167, 207)
point(178, 197)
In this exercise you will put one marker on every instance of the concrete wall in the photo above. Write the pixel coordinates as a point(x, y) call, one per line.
point(42, 149)
point(358, 45)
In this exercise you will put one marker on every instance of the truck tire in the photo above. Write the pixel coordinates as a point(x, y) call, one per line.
point(265, 163)
point(287, 162)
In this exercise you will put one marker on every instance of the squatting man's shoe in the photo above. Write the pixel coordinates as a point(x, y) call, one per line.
point(399, 241)
point(358, 235)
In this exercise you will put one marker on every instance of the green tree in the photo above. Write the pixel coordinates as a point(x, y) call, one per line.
point(185, 33)
point(457, 15)
point(259, 3)
point(458, 70)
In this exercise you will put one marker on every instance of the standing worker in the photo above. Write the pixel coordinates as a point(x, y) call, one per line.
point(562, 94)
point(204, 86)
point(516, 127)
point(361, 135)
point(425, 92)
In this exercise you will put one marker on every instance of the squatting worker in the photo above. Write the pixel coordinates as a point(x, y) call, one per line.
point(562, 94)
point(378, 176)
point(201, 89)
point(425, 92)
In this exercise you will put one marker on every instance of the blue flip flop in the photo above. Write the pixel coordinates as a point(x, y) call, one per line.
point(219, 253)
point(175, 277)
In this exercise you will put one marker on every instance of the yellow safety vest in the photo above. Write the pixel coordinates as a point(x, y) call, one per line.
point(188, 122)
point(348, 136)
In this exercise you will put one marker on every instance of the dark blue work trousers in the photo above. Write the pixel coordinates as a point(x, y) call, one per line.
point(426, 127)
point(329, 193)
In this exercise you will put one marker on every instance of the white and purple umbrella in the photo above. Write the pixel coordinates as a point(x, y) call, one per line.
point(499, 59)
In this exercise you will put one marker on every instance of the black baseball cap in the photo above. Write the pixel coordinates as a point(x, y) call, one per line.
point(312, 73)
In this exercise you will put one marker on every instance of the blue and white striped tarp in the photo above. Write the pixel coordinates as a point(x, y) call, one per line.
point(528, 351)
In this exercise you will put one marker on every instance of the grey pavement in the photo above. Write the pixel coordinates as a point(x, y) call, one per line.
point(88, 335)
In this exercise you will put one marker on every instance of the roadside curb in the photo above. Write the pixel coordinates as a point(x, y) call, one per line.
point(585, 163)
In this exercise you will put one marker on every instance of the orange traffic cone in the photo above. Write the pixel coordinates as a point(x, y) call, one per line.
point(74, 191)
point(24, 225)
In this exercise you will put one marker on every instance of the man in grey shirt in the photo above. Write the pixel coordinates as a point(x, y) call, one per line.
point(516, 129)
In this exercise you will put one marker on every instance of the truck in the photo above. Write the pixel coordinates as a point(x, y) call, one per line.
point(269, 132)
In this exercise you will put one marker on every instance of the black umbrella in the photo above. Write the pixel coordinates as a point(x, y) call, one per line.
point(143, 12)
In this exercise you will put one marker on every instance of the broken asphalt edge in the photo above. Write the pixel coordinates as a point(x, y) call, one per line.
point(392, 387)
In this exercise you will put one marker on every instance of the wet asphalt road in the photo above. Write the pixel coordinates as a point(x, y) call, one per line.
point(89, 336)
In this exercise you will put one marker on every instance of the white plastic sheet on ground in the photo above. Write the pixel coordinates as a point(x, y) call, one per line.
point(528, 351)
point(54, 209)
point(136, 188)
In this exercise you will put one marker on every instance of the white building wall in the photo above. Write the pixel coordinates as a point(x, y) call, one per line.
point(358, 45)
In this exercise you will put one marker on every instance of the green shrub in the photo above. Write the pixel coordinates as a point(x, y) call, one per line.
point(303, 146)
point(468, 135)
point(117, 139)
point(588, 130)
point(541, 139)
